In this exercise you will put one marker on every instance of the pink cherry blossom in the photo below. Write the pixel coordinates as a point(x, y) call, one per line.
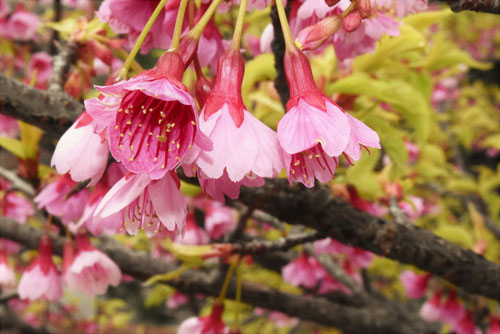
point(204, 325)
point(217, 188)
point(145, 204)
point(92, 271)
point(13, 205)
point(219, 219)
point(211, 45)
point(176, 299)
point(414, 207)
point(193, 235)
point(494, 327)
point(151, 119)
point(22, 25)
point(8, 126)
point(54, 199)
point(315, 131)
point(362, 40)
point(415, 285)
point(78, 4)
point(7, 276)
point(466, 325)
point(81, 152)
point(41, 62)
point(451, 310)
point(305, 271)
point(41, 279)
point(225, 120)
point(4, 9)
point(130, 17)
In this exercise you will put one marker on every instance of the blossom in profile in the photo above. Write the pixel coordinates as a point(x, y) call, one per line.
point(193, 234)
point(431, 309)
point(41, 64)
point(315, 131)
point(41, 280)
point(81, 152)
point(8, 126)
point(305, 271)
point(145, 204)
point(151, 120)
point(91, 271)
point(211, 323)
point(243, 146)
point(219, 219)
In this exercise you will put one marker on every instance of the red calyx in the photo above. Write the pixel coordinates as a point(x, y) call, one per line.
point(171, 65)
point(83, 243)
point(301, 81)
point(227, 88)
point(352, 21)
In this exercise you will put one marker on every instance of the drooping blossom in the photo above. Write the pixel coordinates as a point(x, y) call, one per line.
point(223, 186)
point(41, 279)
point(150, 120)
point(415, 285)
point(193, 235)
point(211, 323)
point(13, 205)
point(315, 131)
point(414, 207)
point(465, 325)
point(451, 309)
point(4, 9)
point(243, 146)
point(176, 299)
point(7, 276)
point(22, 25)
point(145, 204)
point(56, 200)
point(431, 309)
point(92, 271)
point(494, 327)
point(81, 152)
point(8, 126)
point(305, 271)
point(219, 219)
point(130, 17)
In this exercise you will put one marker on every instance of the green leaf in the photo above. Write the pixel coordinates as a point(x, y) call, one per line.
point(14, 146)
point(189, 254)
point(456, 234)
point(401, 95)
point(30, 138)
point(492, 141)
point(362, 176)
point(190, 190)
point(423, 20)
point(258, 69)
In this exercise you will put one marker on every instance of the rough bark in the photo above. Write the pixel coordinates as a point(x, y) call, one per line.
point(487, 6)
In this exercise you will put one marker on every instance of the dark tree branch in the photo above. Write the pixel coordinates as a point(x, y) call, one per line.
point(315, 208)
point(61, 64)
point(377, 319)
point(280, 244)
point(487, 6)
point(50, 111)
point(278, 47)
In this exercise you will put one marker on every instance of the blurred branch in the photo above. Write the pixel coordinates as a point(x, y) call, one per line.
point(487, 6)
point(372, 319)
point(280, 244)
point(61, 64)
point(17, 182)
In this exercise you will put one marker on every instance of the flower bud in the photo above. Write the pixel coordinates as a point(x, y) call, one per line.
point(332, 3)
point(315, 35)
point(352, 21)
point(364, 8)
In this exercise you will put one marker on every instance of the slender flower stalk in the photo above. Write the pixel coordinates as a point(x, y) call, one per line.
point(238, 29)
point(178, 25)
point(229, 274)
point(197, 30)
point(287, 34)
point(128, 62)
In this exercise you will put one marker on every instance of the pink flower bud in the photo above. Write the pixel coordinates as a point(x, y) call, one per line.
point(364, 8)
point(332, 3)
point(315, 35)
point(352, 21)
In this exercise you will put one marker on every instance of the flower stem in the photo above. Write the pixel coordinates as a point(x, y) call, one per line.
point(287, 34)
point(198, 28)
point(349, 9)
point(229, 273)
point(238, 296)
point(178, 25)
point(140, 40)
point(238, 29)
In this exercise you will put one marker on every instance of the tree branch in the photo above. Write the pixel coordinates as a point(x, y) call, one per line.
point(62, 62)
point(487, 6)
point(50, 111)
point(140, 265)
